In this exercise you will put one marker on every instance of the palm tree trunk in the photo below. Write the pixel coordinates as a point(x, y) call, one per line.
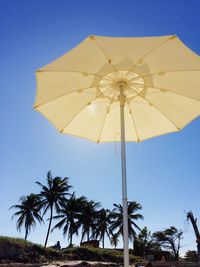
point(82, 238)
point(134, 242)
point(88, 235)
point(103, 240)
point(26, 234)
point(48, 231)
point(70, 242)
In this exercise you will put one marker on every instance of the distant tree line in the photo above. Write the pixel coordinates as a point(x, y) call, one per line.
point(78, 216)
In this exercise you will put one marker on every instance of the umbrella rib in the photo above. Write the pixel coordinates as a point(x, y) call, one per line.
point(166, 71)
point(169, 90)
point(104, 120)
point(169, 119)
point(161, 73)
point(84, 73)
point(108, 90)
point(137, 83)
point(56, 98)
point(99, 102)
point(134, 124)
point(105, 54)
point(134, 90)
point(81, 72)
point(144, 76)
point(77, 113)
point(148, 52)
point(157, 46)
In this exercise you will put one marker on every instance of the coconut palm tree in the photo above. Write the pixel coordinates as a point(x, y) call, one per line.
point(88, 218)
point(69, 214)
point(102, 225)
point(114, 240)
point(28, 212)
point(117, 219)
point(52, 195)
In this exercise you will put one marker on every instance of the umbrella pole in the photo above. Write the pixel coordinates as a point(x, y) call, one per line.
point(124, 184)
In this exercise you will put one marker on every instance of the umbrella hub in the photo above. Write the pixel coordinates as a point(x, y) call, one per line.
point(121, 84)
point(111, 85)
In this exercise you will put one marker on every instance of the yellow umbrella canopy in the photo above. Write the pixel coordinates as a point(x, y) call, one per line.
point(79, 92)
point(121, 89)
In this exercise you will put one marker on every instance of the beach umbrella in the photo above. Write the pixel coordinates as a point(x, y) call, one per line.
point(121, 89)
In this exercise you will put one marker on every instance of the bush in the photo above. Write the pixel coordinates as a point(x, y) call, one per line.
point(18, 250)
point(191, 255)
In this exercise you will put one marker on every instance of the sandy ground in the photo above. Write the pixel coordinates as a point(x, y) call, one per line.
point(75, 263)
point(64, 264)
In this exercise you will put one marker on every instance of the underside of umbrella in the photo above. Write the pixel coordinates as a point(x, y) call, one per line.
point(79, 92)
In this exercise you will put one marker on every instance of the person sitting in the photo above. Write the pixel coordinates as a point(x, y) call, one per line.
point(57, 245)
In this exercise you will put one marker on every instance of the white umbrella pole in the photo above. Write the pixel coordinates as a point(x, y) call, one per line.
point(124, 185)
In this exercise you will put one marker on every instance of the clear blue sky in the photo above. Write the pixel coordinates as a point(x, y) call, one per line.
point(163, 173)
